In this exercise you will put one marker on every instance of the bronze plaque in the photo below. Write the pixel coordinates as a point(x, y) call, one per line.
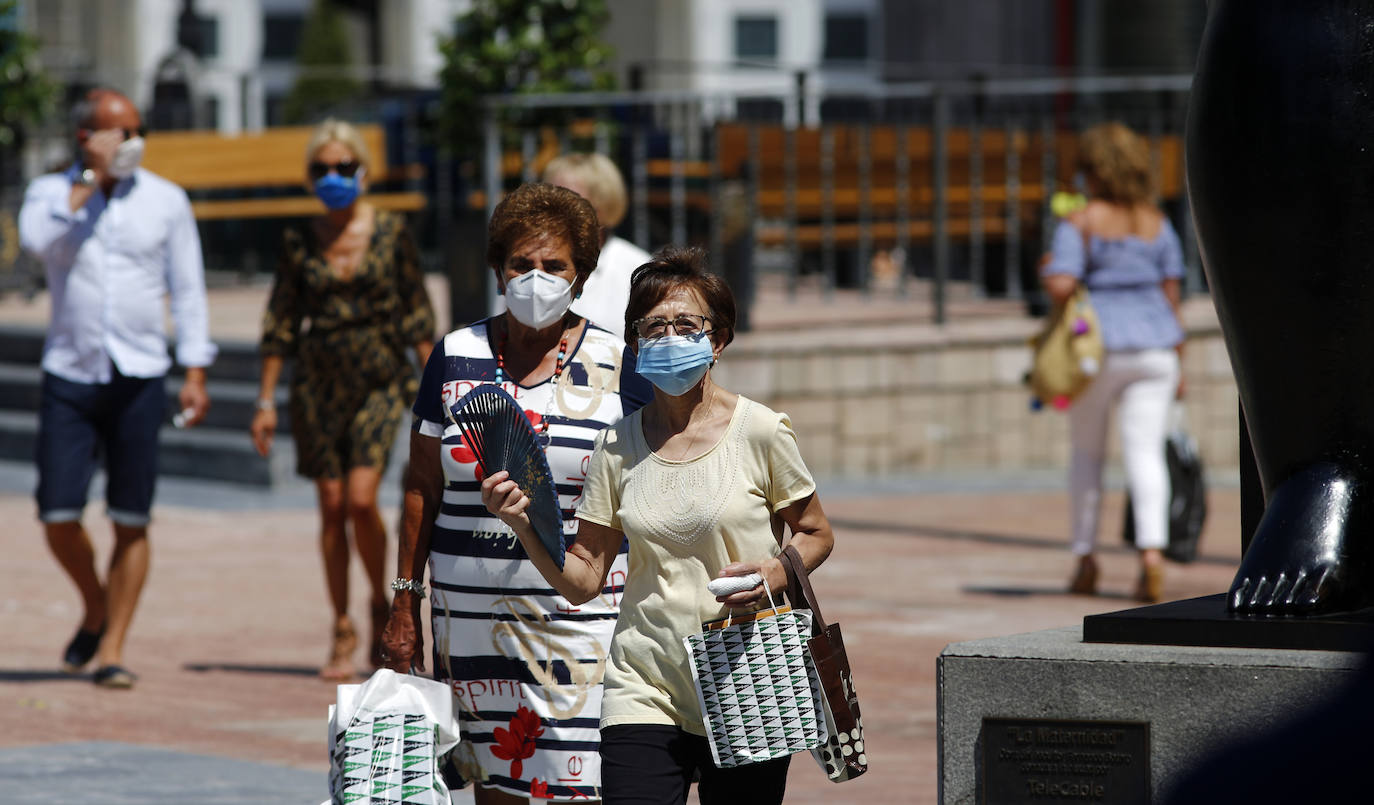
point(1047, 761)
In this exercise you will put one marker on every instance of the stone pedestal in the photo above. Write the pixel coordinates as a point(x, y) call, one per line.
point(1188, 699)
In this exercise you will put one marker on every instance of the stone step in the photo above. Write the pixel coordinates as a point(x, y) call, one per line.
point(205, 453)
point(232, 402)
point(237, 360)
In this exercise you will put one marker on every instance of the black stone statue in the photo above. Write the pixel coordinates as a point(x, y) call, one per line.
point(1280, 149)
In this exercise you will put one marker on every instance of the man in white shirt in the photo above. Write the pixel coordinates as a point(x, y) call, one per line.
point(607, 291)
point(115, 241)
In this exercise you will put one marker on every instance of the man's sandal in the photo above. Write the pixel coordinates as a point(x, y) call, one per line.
point(81, 650)
point(115, 676)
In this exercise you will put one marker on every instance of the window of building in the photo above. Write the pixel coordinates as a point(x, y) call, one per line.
point(209, 36)
point(846, 38)
point(210, 110)
point(281, 36)
point(756, 37)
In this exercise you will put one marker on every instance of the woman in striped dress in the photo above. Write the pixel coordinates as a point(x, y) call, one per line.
point(524, 664)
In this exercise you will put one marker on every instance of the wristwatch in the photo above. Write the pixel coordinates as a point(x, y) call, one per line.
point(408, 584)
point(86, 178)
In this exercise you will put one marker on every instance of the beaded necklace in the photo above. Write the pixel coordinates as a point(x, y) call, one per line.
point(557, 373)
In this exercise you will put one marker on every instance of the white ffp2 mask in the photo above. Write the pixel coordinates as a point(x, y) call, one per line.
point(537, 298)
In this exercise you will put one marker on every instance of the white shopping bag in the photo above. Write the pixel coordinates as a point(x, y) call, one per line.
point(387, 741)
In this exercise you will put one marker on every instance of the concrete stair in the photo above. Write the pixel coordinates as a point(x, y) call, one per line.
point(218, 449)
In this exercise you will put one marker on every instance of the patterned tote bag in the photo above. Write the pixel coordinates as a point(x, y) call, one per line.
point(758, 691)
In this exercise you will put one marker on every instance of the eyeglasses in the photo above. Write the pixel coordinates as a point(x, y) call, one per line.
point(347, 170)
point(685, 324)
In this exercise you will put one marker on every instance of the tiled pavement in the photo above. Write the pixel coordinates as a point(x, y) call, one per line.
point(233, 621)
point(233, 625)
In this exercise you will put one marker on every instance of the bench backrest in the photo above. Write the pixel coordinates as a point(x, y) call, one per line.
point(201, 160)
point(734, 154)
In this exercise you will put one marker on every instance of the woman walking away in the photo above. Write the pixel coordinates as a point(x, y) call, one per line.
point(1123, 249)
point(524, 662)
point(354, 274)
point(700, 481)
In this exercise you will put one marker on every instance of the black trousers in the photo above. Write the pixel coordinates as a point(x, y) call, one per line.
point(652, 764)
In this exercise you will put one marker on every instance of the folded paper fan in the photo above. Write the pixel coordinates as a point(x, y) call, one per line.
point(499, 434)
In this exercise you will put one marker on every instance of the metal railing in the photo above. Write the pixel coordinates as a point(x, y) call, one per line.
point(953, 179)
point(928, 191)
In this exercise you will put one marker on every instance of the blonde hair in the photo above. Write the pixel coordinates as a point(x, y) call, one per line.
point(346, 134)
point(598, 177)
point(1118, 160)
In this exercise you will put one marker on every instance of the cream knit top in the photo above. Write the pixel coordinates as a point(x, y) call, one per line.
point(685, 520)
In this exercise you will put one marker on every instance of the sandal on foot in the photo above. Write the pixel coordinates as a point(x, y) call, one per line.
point(1084, 581)
point(1150, 590)
point(340, 665)
point(115, 676)
point(81, 650)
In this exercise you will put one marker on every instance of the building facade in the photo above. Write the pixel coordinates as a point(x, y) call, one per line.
point(242, 59)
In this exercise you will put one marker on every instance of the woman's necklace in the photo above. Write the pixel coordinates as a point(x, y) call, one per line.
point(687, 454)
point(553, 386)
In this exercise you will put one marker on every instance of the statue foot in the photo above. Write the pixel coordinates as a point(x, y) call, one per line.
point(1311, 553)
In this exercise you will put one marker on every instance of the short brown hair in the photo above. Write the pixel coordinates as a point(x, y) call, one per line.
point(540, 210)
point(1118, 160)
point(675, 267)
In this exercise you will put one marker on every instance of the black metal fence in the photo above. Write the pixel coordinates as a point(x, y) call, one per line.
point(909, 189)
point(906, 187)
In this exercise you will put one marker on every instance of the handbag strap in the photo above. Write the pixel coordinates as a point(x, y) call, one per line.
point(799, 586)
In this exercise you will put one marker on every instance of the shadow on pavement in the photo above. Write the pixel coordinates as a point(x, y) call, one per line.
point(40, 675)
point(1021, 540)
point(241, 668)
point(1024, 592)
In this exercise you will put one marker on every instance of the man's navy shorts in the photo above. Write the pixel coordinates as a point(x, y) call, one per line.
point(78, 423)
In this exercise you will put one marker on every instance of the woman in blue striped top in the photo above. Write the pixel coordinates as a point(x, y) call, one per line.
point(1124, 250)
point(524, 664)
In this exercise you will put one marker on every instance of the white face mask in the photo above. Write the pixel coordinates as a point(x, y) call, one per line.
point(126, 158)
point(537, 298)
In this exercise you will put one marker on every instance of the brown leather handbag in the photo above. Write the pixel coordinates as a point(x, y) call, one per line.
point(842, 757)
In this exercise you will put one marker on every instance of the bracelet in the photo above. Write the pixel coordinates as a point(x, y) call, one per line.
point(408, 584)
point(266, 404)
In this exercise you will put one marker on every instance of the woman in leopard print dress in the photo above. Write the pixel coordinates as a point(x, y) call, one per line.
point(353, 275)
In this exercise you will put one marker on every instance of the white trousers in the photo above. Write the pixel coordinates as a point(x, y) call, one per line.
point(1143, 383)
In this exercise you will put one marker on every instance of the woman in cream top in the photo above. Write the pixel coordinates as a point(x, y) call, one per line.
point(700, 481)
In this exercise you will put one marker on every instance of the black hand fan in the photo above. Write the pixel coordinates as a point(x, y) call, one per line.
point(499, 434)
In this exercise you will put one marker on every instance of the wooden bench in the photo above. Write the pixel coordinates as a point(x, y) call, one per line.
point(262, 175)
point(848, 202)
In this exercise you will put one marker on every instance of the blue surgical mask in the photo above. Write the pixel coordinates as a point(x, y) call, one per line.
point(675, 363)
point(337, 191)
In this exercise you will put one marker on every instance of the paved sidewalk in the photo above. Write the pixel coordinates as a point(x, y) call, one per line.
point(234, 624)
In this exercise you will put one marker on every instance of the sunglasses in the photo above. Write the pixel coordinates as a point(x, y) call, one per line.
point(318, 170)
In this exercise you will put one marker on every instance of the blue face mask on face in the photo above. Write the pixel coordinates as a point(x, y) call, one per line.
point(337, 191)
point(675, 363)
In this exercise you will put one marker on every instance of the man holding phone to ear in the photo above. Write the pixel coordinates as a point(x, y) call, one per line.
point(115, 241)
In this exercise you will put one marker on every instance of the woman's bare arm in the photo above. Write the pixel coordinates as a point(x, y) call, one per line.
point(1059, 287)
point(588, 560)
point(1173, 291)
point(403, 639)
point(811, 536)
